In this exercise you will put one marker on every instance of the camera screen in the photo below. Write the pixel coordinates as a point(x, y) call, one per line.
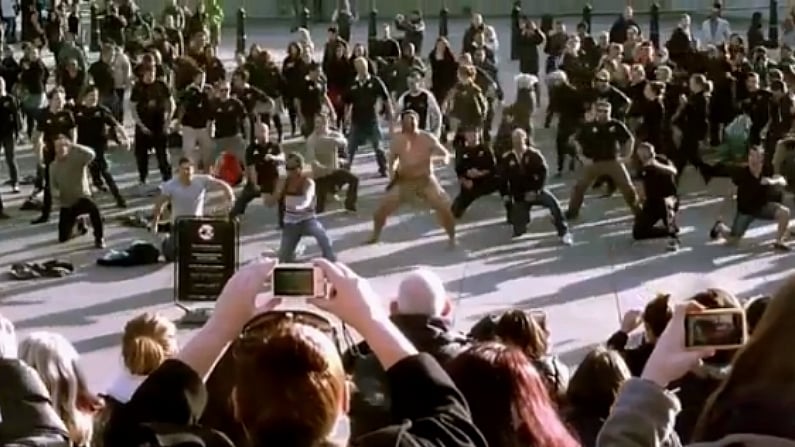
point(715, 329)
point(293, 281)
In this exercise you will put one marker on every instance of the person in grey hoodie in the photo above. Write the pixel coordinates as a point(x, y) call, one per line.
point(750, 413)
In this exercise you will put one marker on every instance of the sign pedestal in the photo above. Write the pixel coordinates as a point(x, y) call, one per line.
point(195, 316)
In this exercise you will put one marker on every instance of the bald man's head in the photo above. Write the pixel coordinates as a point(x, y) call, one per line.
point(421, 292)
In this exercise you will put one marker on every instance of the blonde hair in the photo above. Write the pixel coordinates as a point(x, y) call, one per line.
point(147, 342)
point(8, 339)
point(55, 359)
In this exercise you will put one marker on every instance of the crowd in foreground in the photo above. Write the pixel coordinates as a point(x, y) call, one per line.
point(262, 374)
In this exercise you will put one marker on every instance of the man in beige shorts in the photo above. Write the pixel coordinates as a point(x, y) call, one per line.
point(413, 178)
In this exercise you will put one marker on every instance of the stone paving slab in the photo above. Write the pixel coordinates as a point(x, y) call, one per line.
point(583, 288)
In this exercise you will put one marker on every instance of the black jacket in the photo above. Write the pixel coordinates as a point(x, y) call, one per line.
point(28, 411)
point(172, 398)
point(636, 358)
point(370, 403)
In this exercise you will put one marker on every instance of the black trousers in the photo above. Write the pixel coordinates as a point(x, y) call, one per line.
point(564, 146)
point(480, 188)
point(653, 211)
point(43, 183)
point(328, 184)
point(9, 150)
point(247, 195)
point(100, 173)
point(689, 153)
point(68, 218)
point(157, 141)
point(119, 112)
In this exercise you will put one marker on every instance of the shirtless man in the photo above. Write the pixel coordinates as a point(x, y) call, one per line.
point(413, 178)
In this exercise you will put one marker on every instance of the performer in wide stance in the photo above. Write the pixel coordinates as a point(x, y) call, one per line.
point(413, 178)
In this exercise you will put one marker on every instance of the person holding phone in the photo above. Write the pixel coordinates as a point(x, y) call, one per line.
point(661, 202)
point(757, 199)
point(297, 192)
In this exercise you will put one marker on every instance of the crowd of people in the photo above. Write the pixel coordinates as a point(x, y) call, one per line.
point(262, 373)
point(627, 116)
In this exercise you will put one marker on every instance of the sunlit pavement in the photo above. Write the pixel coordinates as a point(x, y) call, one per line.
point(583, 287)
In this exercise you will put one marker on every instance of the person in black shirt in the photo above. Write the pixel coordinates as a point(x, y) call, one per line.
point(567, 103)
point(661, 203)
point(53, 121)
point(608, 144)
point(263, 160)
point(652, 115)
point(782, 118)
point(758, 107)
point(755, 201)
point(362, 98)
point(9, 132)
point(525, 171)
point(33, 82)
point(93, 121)
point(476, 170)
point(193, 115)
point(423, 102)
point(101, 74)
point(230, 120)
point(692, 119)
point(72, 80)
point(254, 99)
point(152, 106)
point(311, 99)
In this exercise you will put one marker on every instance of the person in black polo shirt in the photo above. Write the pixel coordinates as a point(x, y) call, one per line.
point(152, 105)
point(362, 98)
point(193, 116)
point(101, 73)
point(263, 159)
point(423, 102)
point(525, 170)
point(755, 200)
point(254, 99)
point(476, 169)
point(9, 132)
point(93, 121)
point(33, 82)
point(661, 203)
point(311, 99)
point(230, 120)
point(53, 121)
point(607, 143)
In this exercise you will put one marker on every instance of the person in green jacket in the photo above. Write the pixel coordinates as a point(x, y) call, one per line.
point(215, 13)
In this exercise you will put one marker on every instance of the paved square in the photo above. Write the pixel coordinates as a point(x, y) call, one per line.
point(583, 288)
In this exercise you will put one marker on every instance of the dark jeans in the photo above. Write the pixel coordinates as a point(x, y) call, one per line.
point(68, 218)
point(119, 112)
point(43, 183)
point(520, 212)
point(292, 234)
point(653, 211)
point(9, 150)
point(329, 183)
point(363, 133)
point(247, 195)
point(481, 187)
point(100, 173)
point(143, 143)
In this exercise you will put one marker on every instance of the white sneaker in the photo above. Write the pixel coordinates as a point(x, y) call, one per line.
point(673, 245)
point(567, 239)
point(300, 249)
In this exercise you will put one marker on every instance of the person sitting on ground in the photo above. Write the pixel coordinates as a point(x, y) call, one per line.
point(285, 362)
point(422, 310)
point(508, 397)
point(529, 333)
point(33, 418)
point(753, 406)
point(148, 340)
point(653, 318)
point(755, 308)
point(56, 361)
